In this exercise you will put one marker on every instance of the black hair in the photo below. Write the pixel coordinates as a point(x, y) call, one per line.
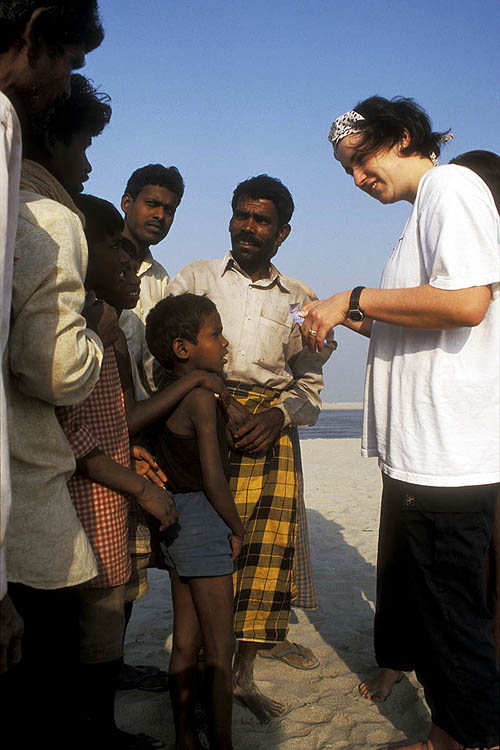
point(486, 164)
point(388, 120)
point(176, 316)
point(101, 218)
point(86, 110)
point(267, 188)
point(155, 174)
point(62, 22)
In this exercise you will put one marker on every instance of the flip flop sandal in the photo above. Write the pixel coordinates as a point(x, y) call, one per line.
point(294, 655)
point(147, 678)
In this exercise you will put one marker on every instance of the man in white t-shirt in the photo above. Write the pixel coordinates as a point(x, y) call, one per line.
point(431, 415)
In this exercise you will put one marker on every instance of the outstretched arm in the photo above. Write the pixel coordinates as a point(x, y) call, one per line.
point(142, 414)
point(425, 307)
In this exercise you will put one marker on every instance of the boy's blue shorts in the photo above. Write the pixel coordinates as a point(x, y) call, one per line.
point(197, 544)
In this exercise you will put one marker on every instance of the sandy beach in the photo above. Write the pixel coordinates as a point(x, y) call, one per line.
point(324, 708)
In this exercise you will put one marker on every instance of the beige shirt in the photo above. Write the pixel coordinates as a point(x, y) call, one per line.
point(53, 361)
point(10, 169)
point(154, 282)
point(265, 345)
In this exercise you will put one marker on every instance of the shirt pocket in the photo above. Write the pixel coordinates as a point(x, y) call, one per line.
point(273, 336)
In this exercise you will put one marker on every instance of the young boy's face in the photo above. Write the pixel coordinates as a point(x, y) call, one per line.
point(104, 268)
point(130, 283)
point(210, 351)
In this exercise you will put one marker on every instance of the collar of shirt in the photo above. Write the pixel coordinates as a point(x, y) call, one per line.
point(275, 278)
point(146, 263)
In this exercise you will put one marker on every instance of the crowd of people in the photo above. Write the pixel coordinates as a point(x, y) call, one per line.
point(152, 422)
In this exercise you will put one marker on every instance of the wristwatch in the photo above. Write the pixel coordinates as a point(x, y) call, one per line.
point(355, 313)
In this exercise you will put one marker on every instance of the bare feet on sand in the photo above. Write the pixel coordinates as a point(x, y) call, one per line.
point(245, 690)
point(262, 707)
point(379, 688)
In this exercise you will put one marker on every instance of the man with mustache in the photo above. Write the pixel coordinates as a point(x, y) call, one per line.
point(152, 196)
point(278, 383)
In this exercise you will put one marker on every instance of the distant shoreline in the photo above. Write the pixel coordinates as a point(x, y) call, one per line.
point(341, 405)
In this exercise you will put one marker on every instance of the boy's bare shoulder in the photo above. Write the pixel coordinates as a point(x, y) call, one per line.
point(199, 399)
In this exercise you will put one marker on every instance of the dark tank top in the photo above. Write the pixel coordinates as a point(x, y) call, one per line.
point(179, 458)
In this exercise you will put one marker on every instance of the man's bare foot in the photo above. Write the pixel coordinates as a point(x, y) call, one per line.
point(262, 707)
point(379, 688)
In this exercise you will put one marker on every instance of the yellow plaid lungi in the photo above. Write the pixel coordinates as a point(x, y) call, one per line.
point(265, 493)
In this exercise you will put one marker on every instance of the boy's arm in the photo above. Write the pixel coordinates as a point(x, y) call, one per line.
point(201, 407)
point(99, 467)
point(96, 465)
point(142, 414)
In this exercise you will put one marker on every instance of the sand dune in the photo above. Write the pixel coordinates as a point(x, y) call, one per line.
point(324, 709)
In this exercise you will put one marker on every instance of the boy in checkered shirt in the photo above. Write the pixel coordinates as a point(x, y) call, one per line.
point(104, 489)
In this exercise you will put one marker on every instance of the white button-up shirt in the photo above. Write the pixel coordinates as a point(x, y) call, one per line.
point(154, 282)
point(265, 344)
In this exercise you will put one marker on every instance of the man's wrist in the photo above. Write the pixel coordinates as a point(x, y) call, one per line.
point(283, 411)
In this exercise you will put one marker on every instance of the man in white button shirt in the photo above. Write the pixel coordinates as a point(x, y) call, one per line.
point(152, 196)
point(278, 382)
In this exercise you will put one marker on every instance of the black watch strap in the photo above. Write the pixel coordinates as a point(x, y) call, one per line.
point(355, 312)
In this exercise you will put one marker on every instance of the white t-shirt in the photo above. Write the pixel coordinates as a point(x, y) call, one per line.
point(432, 406)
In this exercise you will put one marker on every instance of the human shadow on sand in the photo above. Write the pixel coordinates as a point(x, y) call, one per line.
point(347, 584)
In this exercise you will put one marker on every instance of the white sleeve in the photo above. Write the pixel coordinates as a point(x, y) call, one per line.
point(459, 230)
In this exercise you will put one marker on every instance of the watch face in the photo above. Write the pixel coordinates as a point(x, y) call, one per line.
point(355, 315)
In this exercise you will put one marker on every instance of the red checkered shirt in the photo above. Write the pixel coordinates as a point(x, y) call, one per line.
point(100, 422)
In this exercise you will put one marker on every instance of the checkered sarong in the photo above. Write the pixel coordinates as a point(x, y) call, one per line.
point(265, 494)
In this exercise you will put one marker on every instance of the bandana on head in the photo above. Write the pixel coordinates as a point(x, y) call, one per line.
point(343, 126)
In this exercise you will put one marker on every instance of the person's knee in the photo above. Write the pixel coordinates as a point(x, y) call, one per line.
point(186, 645)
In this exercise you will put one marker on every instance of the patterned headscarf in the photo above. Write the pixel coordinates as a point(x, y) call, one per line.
point(343, 126)
point(346, 125)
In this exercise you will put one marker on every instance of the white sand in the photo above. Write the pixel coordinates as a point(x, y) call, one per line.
point(324, 709)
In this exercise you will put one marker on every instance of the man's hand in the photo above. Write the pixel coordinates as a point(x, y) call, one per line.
point(143, 463)
point(101, 318)
point(260, 432)
point(159, 503)
point(11, 632)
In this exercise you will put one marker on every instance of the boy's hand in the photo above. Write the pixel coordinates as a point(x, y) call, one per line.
point(101, 318)
point(159, 503)
point(235, 413)
point(144, 464)
point(210, 381)
point(236, 544)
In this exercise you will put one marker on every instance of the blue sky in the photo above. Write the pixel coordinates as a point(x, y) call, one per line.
point(226, 90)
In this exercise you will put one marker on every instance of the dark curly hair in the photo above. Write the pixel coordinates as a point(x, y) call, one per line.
point(388, 120)
point(155, 174)
point(86, 110)
point(62, 22)
point(267, 188)
point(486, 164)
point(176, 316)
